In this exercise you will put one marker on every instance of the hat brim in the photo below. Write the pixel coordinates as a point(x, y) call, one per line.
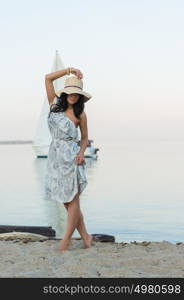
point(74, 90)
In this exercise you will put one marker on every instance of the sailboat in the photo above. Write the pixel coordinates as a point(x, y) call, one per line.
point(90, 150)
point(42, 139)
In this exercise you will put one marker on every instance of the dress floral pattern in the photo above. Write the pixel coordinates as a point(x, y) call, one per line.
point(63, 174)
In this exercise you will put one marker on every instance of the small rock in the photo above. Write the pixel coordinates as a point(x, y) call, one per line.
point(145, 243)
point(123, 244)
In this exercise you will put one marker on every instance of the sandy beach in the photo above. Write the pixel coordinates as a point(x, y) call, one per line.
point(33, 259)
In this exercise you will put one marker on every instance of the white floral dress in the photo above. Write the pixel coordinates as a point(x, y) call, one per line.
point(63, 174)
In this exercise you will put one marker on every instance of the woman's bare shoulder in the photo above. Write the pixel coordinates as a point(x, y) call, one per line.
point(83, 115)
point(83, 120)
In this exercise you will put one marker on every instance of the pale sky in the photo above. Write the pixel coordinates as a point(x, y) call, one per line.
point(130, 52)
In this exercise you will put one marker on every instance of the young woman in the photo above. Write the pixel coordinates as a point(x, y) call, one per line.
point(65, 173)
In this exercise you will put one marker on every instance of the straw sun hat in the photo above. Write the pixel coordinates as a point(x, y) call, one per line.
point(74, 85)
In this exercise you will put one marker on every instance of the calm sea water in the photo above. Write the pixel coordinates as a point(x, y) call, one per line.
point(135, 191)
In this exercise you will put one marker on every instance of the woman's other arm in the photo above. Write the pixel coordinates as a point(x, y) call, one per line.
point(84, 138)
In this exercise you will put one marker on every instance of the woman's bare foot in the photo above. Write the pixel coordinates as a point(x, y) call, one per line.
point(65, 243)
point(88, 241)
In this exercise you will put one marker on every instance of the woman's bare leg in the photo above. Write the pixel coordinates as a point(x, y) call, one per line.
point(87, 238)
point(72, 221)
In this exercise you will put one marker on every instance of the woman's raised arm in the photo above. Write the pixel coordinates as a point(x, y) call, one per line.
point(49, 78)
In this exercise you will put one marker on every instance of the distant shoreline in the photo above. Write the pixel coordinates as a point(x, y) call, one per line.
point(15, 142)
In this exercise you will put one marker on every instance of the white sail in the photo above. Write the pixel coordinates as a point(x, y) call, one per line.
point(42, 137)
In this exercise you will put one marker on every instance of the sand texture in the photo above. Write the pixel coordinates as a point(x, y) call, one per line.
point(35, 256)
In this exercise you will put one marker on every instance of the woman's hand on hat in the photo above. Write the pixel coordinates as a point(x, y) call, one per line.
point(76, 72)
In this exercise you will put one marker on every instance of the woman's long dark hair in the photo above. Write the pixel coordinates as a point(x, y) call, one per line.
point(61, 104)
